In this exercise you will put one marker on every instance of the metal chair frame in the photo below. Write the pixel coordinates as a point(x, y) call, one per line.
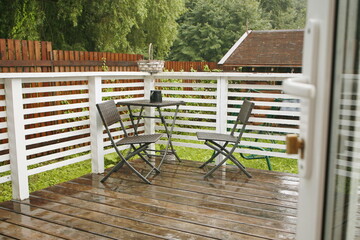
point(212, 139)
point(138, 144)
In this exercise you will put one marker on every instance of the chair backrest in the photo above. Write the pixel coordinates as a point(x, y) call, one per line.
point(108, 112)
point(244, 115)
point(109, 115)
point(245, 111)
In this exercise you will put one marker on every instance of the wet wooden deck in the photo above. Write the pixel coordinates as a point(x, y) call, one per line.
point(179, 204)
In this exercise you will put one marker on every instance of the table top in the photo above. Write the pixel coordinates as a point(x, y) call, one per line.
point(147, 103)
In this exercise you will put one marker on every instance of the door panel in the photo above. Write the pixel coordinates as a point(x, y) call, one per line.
point(314, 119)
point(342, 212)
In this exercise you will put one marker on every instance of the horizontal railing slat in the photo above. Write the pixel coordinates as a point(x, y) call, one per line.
point(57, 117)
point(54, 156)
point(5, 179)
point(55, 89)
point(66, 144)
point(57, 136)
point(56, 108)
point(56, 127)
point(58, 164)
point(56, 98)
point(4, 168)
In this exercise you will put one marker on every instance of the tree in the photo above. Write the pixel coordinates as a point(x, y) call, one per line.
point(284, 14)
point(107, 25)
point(20, 19)
point(159, 27)
point(210, 27)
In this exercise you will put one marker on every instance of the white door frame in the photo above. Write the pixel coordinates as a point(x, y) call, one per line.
point(314, 126)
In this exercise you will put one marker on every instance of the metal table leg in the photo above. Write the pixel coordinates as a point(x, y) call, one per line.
point(169, 134)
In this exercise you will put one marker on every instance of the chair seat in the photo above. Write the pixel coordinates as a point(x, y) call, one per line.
point(150, 138)
point(216, 137)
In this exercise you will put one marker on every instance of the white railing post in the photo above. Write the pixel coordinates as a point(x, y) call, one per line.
point(221, 109)
point(96, 127)
point(149, 84)
point(16, 132)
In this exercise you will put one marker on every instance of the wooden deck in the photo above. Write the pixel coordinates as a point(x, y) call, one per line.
point(179, 204)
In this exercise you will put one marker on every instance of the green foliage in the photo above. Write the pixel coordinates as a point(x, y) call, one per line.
point(159, 27)
point(21, 19)
point(107, 25)
point(285, 14)
point(210, 27)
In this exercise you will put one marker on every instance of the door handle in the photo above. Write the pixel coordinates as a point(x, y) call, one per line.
point(299, 87)
point(304, 87)
point(294, 145)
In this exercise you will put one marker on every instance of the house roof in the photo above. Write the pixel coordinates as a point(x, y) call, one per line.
point(272, 48)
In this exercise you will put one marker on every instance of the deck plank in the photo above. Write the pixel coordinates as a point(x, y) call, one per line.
point(156, 220)
point(19, 232)
point(179, 204)
point(2, 237)
point(167, 210)
point(189, 199)
point(45, 227)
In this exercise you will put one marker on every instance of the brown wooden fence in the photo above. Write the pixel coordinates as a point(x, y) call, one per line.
point(38, 56)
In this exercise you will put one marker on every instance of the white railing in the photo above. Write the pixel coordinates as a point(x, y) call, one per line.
point(49, 120)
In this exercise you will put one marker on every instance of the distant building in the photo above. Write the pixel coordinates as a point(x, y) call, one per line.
point(266, 51)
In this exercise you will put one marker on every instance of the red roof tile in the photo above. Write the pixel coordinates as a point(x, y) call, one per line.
point(273, 48)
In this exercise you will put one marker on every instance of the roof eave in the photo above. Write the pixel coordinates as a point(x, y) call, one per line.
point(234, 47)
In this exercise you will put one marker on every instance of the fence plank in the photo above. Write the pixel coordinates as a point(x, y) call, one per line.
point(82, 58)
point(67, 57)
point(55, 54)
point(49, 55)
point(18, 55)
point(37, 54)
point(3, 54)
point(31, 53)
point(11, 52)
point(43, 55)
point(25, 53)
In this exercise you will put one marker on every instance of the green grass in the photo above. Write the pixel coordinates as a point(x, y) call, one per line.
point(56, 176)
point(278, 164)
point(49, 178)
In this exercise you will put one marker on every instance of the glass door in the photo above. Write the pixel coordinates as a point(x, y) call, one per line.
point(342, 209)
point(315, 91)
point(329, 191)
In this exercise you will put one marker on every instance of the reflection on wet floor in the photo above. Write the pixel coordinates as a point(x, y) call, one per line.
point(180, 204)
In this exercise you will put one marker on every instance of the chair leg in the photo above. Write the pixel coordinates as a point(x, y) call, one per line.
point(145, 160)
point(114, 169)
point(215, 154)
point(228, 155)
point(149, 163)
point(237, 163)
point(124, 161)
point(119, 165)
point(214, 168)
point(137, 172)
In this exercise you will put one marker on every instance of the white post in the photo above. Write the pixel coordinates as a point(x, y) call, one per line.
point(16, 131)
point(221, 109)
point(149, 84)
point(96, 127)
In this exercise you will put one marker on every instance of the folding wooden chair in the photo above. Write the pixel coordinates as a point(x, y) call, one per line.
point(212, 140)
point(138, 143)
